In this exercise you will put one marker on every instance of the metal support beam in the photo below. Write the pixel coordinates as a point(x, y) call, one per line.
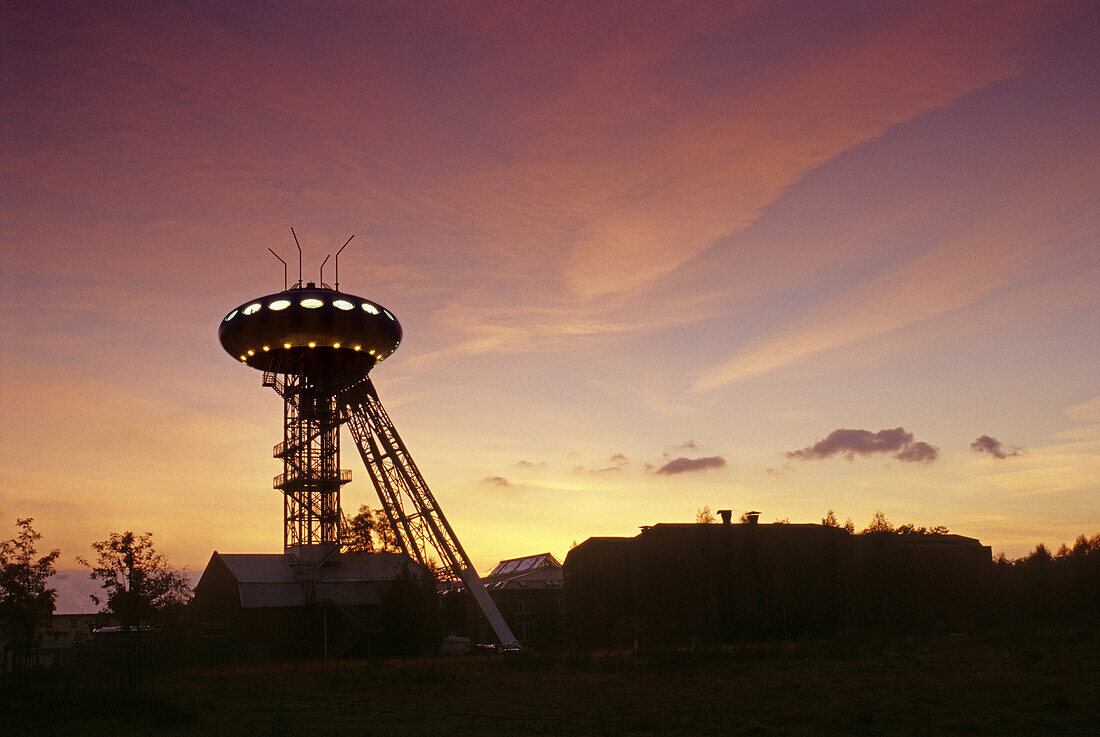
point(310, 451)
point(408, 503)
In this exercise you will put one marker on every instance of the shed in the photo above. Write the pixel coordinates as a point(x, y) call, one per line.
point(274, 605)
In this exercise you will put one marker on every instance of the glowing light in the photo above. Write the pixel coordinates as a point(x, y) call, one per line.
point(267, 348)
point(335, 345)
point(279, 304)
point(233, 314)
point(343, 304)
point(252, 308)
point(311, 303)
point(244, 359)
point(358, 348)
point(366, 306)
point(312, 344)
point(252, 353)
point(286, 345)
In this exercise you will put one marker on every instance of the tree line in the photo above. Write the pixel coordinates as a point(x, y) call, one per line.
point(139, 586)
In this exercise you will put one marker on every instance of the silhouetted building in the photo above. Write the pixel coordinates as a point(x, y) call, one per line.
point(57, 635)
point(350, 604)
point(680, 584)
point(528, 592)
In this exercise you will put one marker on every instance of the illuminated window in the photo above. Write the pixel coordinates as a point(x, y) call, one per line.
point(343, 304)
point(279, 304)
point(310, 303)
point(233, 314)
point(366, 306)
point(254, 307)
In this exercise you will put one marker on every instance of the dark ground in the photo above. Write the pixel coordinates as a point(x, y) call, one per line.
point(987, 684)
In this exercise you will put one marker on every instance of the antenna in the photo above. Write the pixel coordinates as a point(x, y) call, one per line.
point(321, 276)
point(284, 267)
point(299, 255)
point(338, 261)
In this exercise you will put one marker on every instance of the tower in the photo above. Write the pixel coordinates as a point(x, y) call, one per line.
point(316, 346)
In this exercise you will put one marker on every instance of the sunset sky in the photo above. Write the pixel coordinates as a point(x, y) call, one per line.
point(648, 257)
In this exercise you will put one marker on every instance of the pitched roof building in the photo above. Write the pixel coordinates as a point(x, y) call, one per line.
point(529, 594)
point(275, 605)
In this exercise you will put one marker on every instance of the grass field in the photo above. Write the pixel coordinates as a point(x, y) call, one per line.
point(1046, 684)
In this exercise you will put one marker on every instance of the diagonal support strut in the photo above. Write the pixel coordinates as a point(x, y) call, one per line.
point(408, 503)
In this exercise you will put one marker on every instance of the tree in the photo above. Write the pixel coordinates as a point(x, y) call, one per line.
point(409, 612)
point(25, 600)
point(370, 532)
point(879, 524)
point(139, 582)
point(704, 516)
point(829, 520)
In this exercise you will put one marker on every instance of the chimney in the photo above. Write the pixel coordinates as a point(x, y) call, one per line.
point(726, 515)
point(751, 518)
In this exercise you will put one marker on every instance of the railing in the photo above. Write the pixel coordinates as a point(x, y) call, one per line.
point(284, 480)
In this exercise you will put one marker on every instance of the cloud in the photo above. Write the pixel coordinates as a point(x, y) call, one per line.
point(495, 481)
point(687, 465)
point(849, 443)
point(615, 464)
point(918, 452)
point(992, 446)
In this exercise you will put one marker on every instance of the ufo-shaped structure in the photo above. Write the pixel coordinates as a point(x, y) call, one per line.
point(316, 346)
point(333, 336)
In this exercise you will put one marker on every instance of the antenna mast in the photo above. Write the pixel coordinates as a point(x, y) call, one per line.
point(338, 261)
point(284, 267)
point(299, 245)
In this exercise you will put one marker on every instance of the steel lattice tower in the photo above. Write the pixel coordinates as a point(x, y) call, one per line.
point(316, 346)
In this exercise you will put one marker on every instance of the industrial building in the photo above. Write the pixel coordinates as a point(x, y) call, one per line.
point(529, 593)
point(350, 604)
point(677, 585)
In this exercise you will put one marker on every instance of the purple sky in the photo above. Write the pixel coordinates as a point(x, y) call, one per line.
point(618, 236)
